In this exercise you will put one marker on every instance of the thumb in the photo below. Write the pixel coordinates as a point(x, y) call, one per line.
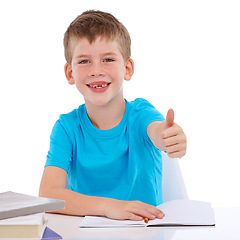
point(169, 118)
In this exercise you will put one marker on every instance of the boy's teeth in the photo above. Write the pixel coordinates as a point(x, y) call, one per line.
point(97, 86)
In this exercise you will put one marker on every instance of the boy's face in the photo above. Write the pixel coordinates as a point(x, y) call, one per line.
point(98, 70)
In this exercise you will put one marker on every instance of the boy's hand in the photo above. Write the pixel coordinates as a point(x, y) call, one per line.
point(131, 210)
point(168, 136)
point(173, 138)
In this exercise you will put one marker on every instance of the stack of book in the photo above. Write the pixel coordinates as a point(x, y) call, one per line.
point(23, 216)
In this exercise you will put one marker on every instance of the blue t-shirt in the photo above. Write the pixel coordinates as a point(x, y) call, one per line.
point(120, 163)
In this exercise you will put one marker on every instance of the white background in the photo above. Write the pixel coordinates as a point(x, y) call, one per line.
point(187, 57)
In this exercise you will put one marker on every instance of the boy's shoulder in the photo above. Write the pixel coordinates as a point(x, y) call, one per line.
point(71, 117)
point(143, 109)
point(141, 104)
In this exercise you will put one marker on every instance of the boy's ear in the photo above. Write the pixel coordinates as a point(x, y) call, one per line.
point(129, 69)
point(68, 73)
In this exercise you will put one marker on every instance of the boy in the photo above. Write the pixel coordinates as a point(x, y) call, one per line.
point(105, 156)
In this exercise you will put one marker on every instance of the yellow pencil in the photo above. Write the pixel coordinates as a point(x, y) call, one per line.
point(146, 220)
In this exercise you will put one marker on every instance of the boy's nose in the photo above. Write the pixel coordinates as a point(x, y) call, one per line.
point(96, 70)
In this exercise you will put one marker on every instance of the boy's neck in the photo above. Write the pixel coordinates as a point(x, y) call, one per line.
point(107, 116)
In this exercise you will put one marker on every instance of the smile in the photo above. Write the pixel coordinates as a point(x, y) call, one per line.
point(98, 85)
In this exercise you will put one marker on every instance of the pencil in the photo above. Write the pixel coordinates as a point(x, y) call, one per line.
point(146, 220)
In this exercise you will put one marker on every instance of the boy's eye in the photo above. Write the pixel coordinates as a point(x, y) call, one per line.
point(108, 60)
point(83, 61)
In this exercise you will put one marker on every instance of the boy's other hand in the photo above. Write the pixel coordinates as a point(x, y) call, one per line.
point(173, 138)
point(169, 118)
point(131, 210)
point(168, 136)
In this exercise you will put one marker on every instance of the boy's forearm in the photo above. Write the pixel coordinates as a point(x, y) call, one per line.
point(76, 203)
point(81, 205)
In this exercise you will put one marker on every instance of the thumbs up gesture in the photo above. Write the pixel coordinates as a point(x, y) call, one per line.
point(168, 136)
point(169, 119)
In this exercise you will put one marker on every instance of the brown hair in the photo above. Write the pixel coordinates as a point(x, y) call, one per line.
point(92, 24)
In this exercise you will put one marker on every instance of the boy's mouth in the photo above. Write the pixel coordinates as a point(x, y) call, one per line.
point(98, 85)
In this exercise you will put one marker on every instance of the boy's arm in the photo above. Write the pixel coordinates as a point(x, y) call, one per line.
point(168, 136)
point(53, 185)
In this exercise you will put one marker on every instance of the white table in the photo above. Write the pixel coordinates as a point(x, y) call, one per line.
point(227, 228)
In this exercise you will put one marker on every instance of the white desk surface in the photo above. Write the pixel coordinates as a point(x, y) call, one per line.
point(227, 228)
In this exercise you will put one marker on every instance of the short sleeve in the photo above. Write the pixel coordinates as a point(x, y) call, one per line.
point(60, 152)
point(145, 113)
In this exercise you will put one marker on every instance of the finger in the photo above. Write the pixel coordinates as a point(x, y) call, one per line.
point(145, 214)
point(178, 154)
point(173, 140)
point(175, 148)
point(169, 118)
point(172, 131)
point(148, 211)
point(158, 213)
point(134, 217)
point(148, 214)
point(172, 149)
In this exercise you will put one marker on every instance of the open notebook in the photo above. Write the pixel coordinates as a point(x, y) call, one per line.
point(177, 213)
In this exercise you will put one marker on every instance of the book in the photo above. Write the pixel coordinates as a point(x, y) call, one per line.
point(177, 213)
point(16, 204)
point(30, 226)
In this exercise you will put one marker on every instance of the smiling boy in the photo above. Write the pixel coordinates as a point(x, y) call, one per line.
point(98, 70)
point(105, 156)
